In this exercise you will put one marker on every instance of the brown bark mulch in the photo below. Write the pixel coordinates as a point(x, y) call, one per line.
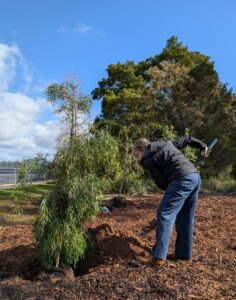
point(112, 272)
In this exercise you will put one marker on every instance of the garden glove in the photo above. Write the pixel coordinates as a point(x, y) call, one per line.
point(206, 152)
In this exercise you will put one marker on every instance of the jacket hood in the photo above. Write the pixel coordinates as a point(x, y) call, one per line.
point(153, 147)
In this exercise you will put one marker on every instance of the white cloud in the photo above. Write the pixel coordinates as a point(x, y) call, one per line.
point(82, 28)
point(7, 65)
point(46, 133)
point(12, 62)
point(21, 133)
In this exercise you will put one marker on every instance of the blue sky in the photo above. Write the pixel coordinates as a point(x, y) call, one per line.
point(47, 40)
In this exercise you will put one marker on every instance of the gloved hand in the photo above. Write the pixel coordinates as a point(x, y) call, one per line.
point(206, 152)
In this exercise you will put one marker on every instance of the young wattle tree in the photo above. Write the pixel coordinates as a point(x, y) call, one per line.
point(83, 169)
point(84, 165)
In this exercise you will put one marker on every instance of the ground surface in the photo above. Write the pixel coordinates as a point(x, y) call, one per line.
point(114, 273)
point(19, 206)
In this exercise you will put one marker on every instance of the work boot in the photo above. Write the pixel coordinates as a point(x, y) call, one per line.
point(172, 256)
point(150, 260)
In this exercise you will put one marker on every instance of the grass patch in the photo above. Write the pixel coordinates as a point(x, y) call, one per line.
point(21, 208)
point(219, 184)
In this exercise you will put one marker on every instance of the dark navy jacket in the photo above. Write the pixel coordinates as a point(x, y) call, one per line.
point(165, 162)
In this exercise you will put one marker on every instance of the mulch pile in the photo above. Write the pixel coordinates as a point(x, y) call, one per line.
point(112, 272)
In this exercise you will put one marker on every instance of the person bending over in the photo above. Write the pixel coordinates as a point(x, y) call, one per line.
point(178, 177)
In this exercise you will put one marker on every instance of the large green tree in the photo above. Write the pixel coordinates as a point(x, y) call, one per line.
point(125, 104)
point(178, 89)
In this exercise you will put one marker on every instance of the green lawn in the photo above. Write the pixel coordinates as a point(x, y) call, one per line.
point(19, 207)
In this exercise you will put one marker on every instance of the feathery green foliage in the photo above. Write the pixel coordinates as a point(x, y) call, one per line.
point(70, 103)
point(83, 170)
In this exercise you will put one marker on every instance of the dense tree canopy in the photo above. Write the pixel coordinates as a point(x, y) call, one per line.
point(178, 89)
point(125, 102)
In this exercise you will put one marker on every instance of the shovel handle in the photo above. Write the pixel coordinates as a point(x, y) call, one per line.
point(211, 145)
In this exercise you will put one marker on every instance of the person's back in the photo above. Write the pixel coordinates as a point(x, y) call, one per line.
point(166, 162)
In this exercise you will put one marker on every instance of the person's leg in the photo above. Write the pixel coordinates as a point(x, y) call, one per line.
point(176, 194)
point(185, 225)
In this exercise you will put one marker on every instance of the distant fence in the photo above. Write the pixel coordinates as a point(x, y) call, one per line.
point(9, 175)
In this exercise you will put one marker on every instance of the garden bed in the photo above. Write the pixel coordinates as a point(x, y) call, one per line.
point(112, 272)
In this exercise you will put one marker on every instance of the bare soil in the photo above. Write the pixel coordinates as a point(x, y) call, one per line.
point(113, 272)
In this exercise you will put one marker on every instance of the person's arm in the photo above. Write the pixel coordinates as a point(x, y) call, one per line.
point(189, 140)
point(150, 165)
point(158, 178)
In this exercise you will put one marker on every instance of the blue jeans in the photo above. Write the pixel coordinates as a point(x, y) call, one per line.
point(177, 206)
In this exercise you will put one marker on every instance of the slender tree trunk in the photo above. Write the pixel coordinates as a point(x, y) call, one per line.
point(58, 260)
point(75, 120)
point(72, 128)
